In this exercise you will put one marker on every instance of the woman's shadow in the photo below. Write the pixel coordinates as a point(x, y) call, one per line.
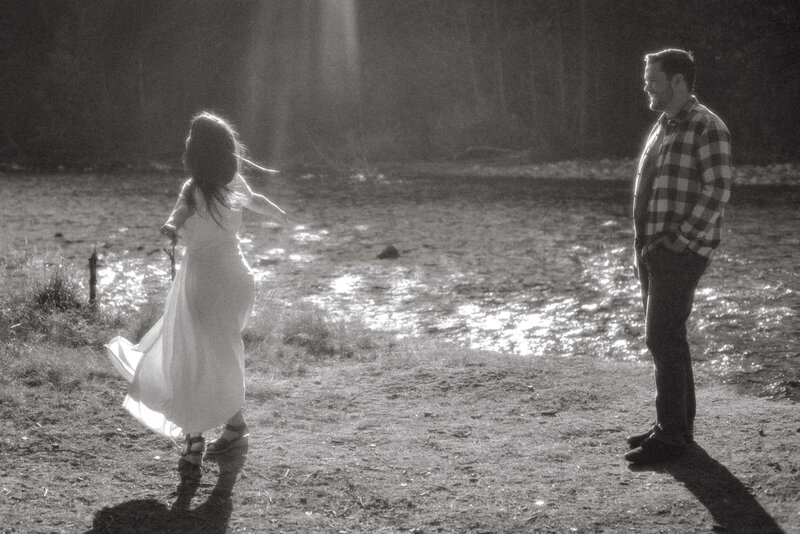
point(151, 515)
point(730, 503)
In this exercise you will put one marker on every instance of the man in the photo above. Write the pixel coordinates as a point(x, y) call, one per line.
point(682, 185)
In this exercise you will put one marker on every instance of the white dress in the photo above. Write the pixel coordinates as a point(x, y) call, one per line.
point(187, 372)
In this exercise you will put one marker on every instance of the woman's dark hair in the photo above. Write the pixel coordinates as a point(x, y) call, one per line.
point(675, 61)
point(212, 158)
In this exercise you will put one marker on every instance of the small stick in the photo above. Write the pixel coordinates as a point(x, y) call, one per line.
point(172, 261)
point(45, 434)
point(171, 255)
point(93, 278)
point(360, 500)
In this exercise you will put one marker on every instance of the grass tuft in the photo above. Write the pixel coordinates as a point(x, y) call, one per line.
point(42, 302)
point(59, 292)
point(308, 328)
point(322, 336)
point(287, 341)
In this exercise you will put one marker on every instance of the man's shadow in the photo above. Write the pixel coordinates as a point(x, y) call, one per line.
point(150, 515)
point(729, 501)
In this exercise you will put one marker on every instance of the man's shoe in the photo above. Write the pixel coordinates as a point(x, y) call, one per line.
point(653, 451)
point(636, 440)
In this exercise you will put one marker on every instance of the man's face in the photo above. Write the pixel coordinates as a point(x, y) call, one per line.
point(657, 87)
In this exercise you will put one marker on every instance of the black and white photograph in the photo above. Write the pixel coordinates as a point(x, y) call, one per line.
point(399, 266)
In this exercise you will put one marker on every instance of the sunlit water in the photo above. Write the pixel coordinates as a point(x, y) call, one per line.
point(528, 267)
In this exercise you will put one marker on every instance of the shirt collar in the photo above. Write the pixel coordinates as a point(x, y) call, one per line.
point(682, 116)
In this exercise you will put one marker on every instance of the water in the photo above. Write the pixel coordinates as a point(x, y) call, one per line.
point(537, 268)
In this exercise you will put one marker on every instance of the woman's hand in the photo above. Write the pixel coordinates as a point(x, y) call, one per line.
point(171, 232)
point(264, 206)
point(285, 221)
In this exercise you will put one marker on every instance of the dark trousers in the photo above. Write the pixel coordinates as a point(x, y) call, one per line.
point(668, 280)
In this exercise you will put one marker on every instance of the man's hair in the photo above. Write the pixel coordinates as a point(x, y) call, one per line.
point(675, 61)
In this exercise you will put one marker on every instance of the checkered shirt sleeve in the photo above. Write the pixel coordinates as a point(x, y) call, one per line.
point(713, 149)
point(693, 183)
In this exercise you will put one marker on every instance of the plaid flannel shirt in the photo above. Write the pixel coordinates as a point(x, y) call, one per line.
point(692, 181)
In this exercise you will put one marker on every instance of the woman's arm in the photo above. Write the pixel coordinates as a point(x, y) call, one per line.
point(177, 218)
point(264, 206)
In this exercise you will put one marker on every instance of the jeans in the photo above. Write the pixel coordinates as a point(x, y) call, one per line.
point(668, 281)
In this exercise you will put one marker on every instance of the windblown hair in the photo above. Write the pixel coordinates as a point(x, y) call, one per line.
point(675, 61)
point(212, 158)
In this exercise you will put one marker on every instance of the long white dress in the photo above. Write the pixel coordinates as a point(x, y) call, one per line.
point(187, 372)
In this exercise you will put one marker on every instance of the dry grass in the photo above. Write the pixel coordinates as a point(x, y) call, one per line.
point(424, 438)
point(43, 302)
point(287, 341)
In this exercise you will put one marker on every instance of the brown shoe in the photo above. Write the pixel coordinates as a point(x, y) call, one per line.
point(654, 451)
point(636, 440)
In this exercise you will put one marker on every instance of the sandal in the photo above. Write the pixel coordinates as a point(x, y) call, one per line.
point(193, 450)
point(223, 445)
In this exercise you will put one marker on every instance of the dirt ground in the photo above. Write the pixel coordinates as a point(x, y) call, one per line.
point(424, 438)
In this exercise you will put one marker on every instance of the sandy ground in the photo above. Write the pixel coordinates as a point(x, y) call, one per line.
point(421, 439)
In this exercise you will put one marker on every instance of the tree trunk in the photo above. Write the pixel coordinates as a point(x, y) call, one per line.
point(534, 115)
point(500, 85)
point(561, 75)
point(470, 52)
point(140, 85)
point(583, 80)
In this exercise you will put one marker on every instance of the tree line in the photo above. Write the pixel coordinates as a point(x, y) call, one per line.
point(116, 81)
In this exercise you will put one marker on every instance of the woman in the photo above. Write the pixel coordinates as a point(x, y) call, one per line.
point(187, 372)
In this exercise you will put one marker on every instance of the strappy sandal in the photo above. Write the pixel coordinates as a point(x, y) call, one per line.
point(193, 450)
point(223, 445)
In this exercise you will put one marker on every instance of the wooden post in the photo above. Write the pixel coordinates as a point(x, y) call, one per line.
point(93, 279)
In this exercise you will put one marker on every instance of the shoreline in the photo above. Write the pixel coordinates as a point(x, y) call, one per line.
point(777, 174)
point(605, 169)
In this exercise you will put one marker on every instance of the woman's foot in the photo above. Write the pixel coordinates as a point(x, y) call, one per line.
point(193, 449)
point(233, 437)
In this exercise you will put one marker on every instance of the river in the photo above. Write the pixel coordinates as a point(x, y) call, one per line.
point(534, 267)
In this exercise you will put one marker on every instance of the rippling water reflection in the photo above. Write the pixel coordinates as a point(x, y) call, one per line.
point(529, 267)
point(544, 269)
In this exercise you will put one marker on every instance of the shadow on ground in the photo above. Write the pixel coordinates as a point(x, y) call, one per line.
point(151, 515)
point(730, 502)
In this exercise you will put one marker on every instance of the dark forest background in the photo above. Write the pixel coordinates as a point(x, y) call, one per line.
point(115, 82)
